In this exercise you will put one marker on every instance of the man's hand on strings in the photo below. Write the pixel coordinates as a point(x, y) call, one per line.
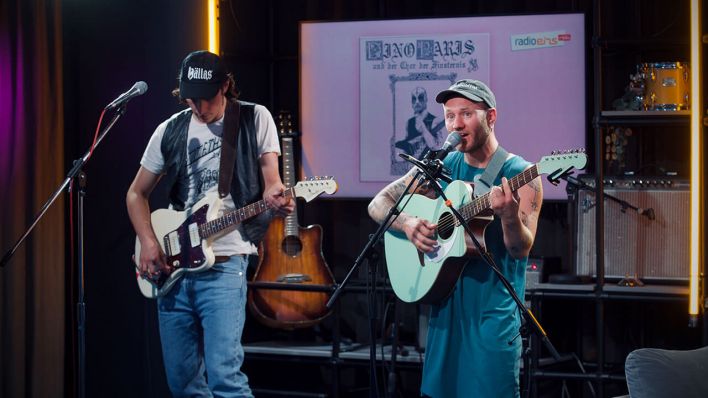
point(503, 201)
point(421, 233)
point(281, 205)
point(152, 261)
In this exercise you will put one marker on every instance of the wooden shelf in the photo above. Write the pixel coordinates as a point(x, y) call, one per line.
point(643, 118)
point(645, 113)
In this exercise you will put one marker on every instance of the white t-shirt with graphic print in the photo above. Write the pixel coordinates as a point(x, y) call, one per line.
point(203, 156)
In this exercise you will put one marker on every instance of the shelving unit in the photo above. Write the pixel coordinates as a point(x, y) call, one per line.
point(588, 293)
point(337, 354)
point(661, 140)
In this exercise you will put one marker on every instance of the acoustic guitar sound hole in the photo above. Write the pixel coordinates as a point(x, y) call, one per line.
point(292, 246)
point(446, 224)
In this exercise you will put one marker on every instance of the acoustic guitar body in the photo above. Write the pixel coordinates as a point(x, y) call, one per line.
point(292, 255)
point(293, 259)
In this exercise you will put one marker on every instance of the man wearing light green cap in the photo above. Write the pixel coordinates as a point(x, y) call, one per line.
point(472, 349)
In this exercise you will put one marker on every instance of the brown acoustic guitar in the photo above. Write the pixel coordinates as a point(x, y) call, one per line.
point(290, 254)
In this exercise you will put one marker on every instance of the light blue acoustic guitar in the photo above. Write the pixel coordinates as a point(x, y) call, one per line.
point(430, 277)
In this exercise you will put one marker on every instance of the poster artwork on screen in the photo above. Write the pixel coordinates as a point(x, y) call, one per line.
point(399, 79)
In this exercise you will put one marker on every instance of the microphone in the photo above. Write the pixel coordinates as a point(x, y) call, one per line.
point(431, 166)
point(453, 139)
point(139, 88)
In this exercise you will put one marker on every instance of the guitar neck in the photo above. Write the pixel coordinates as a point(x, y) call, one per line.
point(290, 222)
point(483, 203)
point(237, 216)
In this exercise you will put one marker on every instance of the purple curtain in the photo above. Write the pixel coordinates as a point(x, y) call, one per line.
point(32, 284)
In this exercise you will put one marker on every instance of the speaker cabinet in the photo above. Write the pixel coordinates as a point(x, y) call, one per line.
point(635, 245)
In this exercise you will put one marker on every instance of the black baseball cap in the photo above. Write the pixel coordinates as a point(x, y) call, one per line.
point(473, 90)
point(201, 75)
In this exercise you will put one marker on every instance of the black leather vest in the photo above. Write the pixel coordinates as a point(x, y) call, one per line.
point(247, 183)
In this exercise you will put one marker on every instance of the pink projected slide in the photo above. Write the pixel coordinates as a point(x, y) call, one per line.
point(366, 87)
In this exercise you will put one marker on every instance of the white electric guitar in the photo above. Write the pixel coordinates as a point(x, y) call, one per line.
point(186, 236)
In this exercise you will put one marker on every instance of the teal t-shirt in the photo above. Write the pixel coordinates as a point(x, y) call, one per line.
point(468, 352)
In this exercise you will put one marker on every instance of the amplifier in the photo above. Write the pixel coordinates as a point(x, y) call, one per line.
point(636, 245)
point(539, 268)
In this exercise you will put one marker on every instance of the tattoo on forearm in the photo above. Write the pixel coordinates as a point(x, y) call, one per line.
point(534, 204)
point(535, 185)
point(524, 218)
point(398, 187)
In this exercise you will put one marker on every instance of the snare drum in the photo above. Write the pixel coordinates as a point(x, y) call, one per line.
point(666, 86)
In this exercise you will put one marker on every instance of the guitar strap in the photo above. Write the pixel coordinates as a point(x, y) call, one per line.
point(232, 118)
point(493, 168)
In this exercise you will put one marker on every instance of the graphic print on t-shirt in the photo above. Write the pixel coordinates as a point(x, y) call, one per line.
point(203, 165)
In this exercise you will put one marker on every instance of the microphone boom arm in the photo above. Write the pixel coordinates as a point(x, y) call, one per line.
point(579, 184)
point(78, 165)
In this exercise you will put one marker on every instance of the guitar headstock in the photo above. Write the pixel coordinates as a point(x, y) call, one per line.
point(286, 124)
point(559, 163)
point(314, 187)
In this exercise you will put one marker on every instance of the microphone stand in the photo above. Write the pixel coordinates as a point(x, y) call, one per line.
point(528, 317)
point(368, 254)
point(76, 171)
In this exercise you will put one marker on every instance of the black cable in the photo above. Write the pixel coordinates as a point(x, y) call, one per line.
point(233, 16)
point(373, 387)
point(564, 390)
point(525, 352)
point(384, 335)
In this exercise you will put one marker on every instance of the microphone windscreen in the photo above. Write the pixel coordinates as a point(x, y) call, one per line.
point(453, 139)
point(141, 86)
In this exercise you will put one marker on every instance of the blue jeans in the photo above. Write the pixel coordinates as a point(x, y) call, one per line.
point(201, 321)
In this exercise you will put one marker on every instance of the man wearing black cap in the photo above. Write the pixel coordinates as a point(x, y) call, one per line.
point(201, 317)
point(471, 349)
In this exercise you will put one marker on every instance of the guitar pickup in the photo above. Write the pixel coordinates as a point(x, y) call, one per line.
point(194, 238)
point(294, 278)
point(173, 246)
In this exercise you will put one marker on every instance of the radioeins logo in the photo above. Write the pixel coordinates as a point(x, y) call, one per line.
point(530, 41)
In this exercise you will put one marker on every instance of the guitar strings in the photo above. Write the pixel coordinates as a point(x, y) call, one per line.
point(235, 216)
point(477, 205)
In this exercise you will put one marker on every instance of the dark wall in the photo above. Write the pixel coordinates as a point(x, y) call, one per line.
point(110, 45)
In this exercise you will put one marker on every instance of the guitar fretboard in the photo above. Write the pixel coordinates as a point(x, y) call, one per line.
point(237, 216)
point(290, 222)
point(482, 203)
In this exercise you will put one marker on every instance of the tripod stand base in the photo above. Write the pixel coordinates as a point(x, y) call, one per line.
point(630, 282)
